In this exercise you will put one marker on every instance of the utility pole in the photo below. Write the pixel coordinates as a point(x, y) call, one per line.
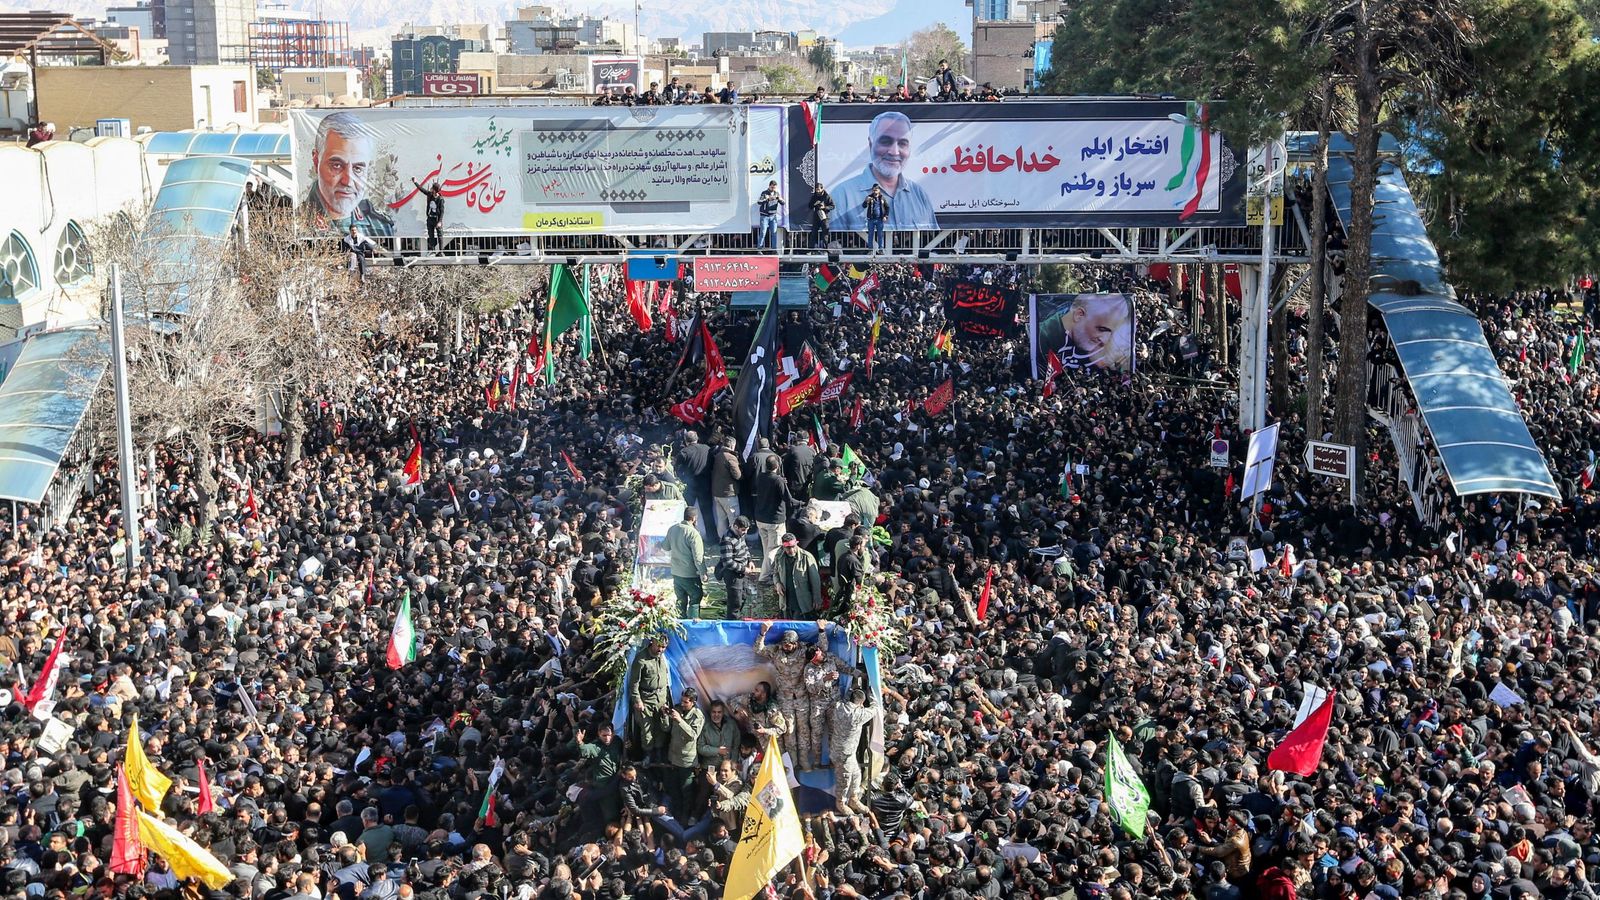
point(1253, 344)
point(638, 38)
point(125, 449)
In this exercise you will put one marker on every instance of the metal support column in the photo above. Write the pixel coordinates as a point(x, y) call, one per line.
point(125, 449)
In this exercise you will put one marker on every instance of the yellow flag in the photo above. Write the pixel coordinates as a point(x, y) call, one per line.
point(148, 784)
point(771, 837)
point(187, 858)
point(856, 273)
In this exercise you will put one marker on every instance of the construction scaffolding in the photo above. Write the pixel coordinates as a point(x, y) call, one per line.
point(283, 43)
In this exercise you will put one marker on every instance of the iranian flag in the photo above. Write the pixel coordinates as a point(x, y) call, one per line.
point(44, 687)
point(403, 637)
point(487, 812)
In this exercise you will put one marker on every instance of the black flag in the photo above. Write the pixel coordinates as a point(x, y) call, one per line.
point(756, 394)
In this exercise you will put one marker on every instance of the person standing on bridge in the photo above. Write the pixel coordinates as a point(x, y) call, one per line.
point(768, 205)
point(435, 213)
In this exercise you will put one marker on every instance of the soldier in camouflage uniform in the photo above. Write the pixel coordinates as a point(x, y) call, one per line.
point(849, 718)
point(821, 679)
point(789, 659)
point(759, 714)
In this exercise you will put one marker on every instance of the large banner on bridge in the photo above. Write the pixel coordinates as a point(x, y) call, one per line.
point(525, 170)
point(1039, 164)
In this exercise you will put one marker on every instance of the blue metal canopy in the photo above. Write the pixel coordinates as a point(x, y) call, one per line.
point(190, 222)
point(1476, 425)
point(42, 402)
point(247, 145)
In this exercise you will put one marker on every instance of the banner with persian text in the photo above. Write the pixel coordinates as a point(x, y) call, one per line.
point(981, 312)
point(524, 170)
point(1061, 163)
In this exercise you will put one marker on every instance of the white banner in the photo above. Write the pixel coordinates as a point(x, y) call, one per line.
point(769, 159)
point(969, 161)
point(1258, 461)
point(525, 170)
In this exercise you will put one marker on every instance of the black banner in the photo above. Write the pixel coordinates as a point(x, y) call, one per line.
point(981, 312)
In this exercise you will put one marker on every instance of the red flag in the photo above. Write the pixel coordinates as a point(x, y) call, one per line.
point(940, 398)
point(1301, 750)
point(1230, 280)
point(413, 467)
point(1053, 368)
point(861, 294)
point(491, 395)
point(800, 392)
point(453, 498)
point(856, 415)
point(45, 684)
point(983, 598)
point(490, 819)
point(693, 410)
point(571, 466)
point(670, 318)
point(1227, 487)
point(1286, 564)
point(511, 389)
point(716, 370)
point(127, 850)
point(834, 389)
point(206, 803)
point(250, 505)
point(639, 306)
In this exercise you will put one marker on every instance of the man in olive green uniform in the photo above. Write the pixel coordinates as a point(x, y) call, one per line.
point(604, 755)
point(649, 695)
point(686, 552)
point(797, 580)
point(719, 740)
point(686, 721)
point(657, 488)
point(831, 481)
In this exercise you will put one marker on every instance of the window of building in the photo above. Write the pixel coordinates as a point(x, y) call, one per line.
point(405, 54)
point(241, 103)
point(17, 269)
point(73, 262)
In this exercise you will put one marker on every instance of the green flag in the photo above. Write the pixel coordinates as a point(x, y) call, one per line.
point(567, 308)
point(1129, 801)
point(852, 463)
point(1578, 349)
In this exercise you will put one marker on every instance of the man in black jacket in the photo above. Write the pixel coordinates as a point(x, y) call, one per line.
point(799, 464)
point(773, 500)
point(693, 466)
point(725, 475)
point(821, 210)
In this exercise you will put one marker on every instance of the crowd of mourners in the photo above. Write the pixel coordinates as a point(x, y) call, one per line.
point(1461, 761)
point(944, 86)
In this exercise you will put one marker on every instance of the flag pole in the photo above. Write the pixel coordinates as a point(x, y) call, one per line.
point(595, 333)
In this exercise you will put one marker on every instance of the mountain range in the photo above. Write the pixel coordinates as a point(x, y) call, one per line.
point(863, 23)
